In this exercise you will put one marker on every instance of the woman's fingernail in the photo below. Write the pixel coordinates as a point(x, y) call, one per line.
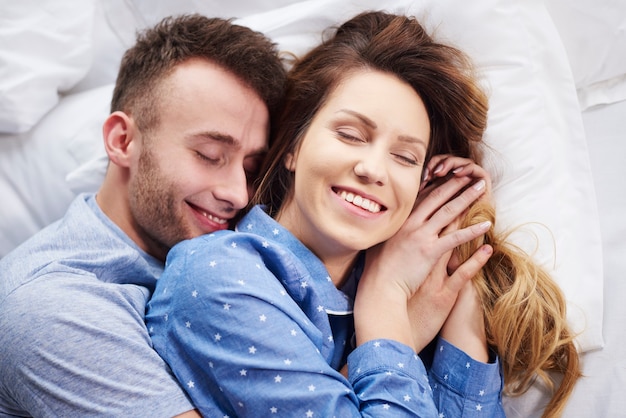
point(425, 174)
point(456, 170)
point(479, 185)
point(438, 169)
point(485, 225)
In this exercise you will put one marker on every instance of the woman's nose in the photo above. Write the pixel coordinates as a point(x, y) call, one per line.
point(371, 168)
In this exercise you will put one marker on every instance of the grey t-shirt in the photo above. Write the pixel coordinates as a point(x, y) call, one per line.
point(72, 336)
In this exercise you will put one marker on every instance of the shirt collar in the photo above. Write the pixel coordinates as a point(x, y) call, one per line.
point(336, 302)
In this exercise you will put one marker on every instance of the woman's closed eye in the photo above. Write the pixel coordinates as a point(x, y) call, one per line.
point(350, 136)
point(407, 159)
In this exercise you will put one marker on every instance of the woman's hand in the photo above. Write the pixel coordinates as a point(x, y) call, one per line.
point(418, 254)
point(465, 326)
point(444, 165)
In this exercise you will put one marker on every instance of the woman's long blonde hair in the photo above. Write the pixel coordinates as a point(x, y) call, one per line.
point(525, 315)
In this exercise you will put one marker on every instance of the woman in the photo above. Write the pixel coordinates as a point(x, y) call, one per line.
point(268, 321)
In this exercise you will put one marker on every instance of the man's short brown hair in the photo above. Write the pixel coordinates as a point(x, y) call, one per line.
point(249, 55)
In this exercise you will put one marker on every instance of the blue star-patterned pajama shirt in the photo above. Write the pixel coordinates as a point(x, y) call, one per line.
point(252, 325)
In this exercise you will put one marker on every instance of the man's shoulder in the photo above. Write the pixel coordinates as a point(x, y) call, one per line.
point(79, 244)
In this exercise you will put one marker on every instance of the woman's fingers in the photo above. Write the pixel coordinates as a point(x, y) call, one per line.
point(465, 326)
point(433, 301)
point(440, 208)
point(453, 239)
point(441, 166)
point(437, 194)
point(469, 268)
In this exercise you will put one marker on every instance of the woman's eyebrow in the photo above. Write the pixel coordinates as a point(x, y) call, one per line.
point(413, 140)
point(360, 116)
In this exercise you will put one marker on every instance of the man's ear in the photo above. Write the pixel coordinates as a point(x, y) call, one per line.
point(119, 131)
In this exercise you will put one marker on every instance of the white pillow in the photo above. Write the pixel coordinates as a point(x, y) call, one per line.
point(535, 126)
point(34, 165)
point(44, 51)
point(594, 36)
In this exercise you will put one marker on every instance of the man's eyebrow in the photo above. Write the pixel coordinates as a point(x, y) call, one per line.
point(372, 124)
point(199, 138)
point(215, 136)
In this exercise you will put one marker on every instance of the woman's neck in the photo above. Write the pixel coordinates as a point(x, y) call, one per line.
point(337, 258)
point(339, 269)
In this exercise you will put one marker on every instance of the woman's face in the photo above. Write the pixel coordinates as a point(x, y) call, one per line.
point(357, 169)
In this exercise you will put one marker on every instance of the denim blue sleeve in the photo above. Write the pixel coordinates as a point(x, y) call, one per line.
point(389, 375)
point(241, 346)
point(464, 387)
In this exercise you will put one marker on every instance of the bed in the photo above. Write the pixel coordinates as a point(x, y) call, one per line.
point(555, 72)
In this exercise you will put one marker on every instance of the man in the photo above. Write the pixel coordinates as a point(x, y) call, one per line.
point(187, 132)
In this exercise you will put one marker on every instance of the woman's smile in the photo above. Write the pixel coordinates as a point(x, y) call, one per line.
point(359, 200)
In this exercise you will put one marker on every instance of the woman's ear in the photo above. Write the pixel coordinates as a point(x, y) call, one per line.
point(290, 162)
point(119, 131)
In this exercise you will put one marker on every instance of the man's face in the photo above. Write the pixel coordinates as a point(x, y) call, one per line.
point(194, 171)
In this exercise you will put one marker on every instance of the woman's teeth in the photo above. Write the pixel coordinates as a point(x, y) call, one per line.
point(360, 201)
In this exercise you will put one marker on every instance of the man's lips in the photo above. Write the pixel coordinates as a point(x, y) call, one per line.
point(209, 216)
point(360, 201)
